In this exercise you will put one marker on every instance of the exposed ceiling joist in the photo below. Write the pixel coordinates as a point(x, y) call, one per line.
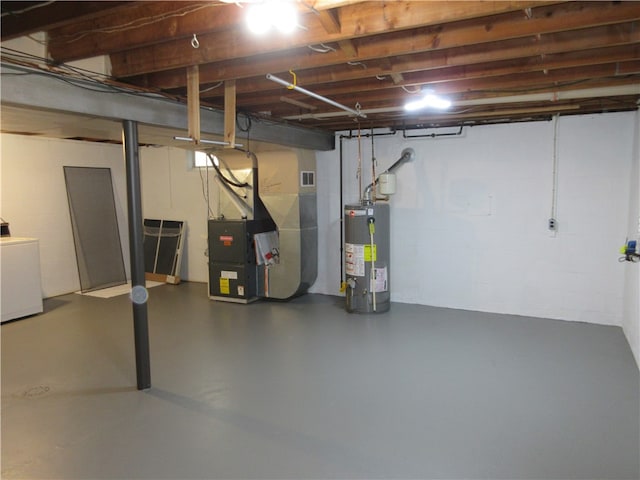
point(375, 54)
point(377, 18)
point(403, 47)
point(23, 18)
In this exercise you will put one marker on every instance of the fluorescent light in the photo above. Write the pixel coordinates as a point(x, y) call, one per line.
point(434, 101)
point(428, 100)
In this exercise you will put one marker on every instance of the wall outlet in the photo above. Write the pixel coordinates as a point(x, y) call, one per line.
point(552, 224)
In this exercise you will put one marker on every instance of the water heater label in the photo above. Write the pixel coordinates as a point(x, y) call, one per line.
point(354, 259)
point(367, 253)
point(379, 283)
point(357, 213)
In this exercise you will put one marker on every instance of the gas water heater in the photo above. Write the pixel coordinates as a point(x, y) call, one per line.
point(367, 245)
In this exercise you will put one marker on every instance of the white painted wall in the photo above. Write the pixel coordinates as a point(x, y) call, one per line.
point(631, 317)
point(469, 221)
point(35, 46)
point(34, 200)
point(172, 190)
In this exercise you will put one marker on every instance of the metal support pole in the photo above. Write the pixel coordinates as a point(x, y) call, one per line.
point(138, 291)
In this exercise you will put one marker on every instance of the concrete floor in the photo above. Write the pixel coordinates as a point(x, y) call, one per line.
point(304, 390)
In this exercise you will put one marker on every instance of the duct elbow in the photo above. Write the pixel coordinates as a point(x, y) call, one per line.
point(409, 154)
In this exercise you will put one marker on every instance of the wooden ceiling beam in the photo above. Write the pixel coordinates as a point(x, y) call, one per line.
point(356, 21)
point(330, 21)
point(513, 85)
point(230, 113)
point(349, 48)
point(529, 82)
point(368, 18)
point(479, 112)
point(141, 25)
point(330, 4)
point(193, 103)
point(485, 114)
point(406, 59)
point(52, 14)
point(149, 22)
point(395, 98)
point(534, 62)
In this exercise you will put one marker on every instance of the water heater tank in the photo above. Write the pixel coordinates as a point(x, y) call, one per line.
point(367, 258)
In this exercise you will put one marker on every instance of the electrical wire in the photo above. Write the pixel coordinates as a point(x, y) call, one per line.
point(322, 48)
point(87, 82)
point(248, 122)
point(229, 171)
point(223, 178)
point(25, 10)
point(246, 128)
point(217, 85)
point(205, 192)
point(554, 85)
point(357, 64)
point(417, 90)
point(81, 80)
point(140, 22)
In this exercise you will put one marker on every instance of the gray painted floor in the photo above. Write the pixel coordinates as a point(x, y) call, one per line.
point(304, 390)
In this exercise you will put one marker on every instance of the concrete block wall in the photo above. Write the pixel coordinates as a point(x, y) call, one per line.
point(173, 190)
point(631, 308)
point(469, 221)
point(34, 200)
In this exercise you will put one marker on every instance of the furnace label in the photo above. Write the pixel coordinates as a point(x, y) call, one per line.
point(224, 286)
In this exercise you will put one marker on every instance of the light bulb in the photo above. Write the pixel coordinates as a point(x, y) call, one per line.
point(281, 14)
point(284, 16)
point(428, 100)
point(258, 19)
point(414, 105)
point(434, 101)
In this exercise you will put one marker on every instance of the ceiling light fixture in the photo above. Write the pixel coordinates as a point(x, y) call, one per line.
point(428, 100)
point(279, 14)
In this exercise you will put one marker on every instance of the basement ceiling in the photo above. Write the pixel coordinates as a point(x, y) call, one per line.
point(497, 61)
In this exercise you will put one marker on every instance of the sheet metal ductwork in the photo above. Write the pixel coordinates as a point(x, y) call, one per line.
point(280, 195)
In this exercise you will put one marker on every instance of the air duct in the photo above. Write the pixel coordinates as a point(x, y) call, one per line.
point(288, 191)
point(268, 199)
